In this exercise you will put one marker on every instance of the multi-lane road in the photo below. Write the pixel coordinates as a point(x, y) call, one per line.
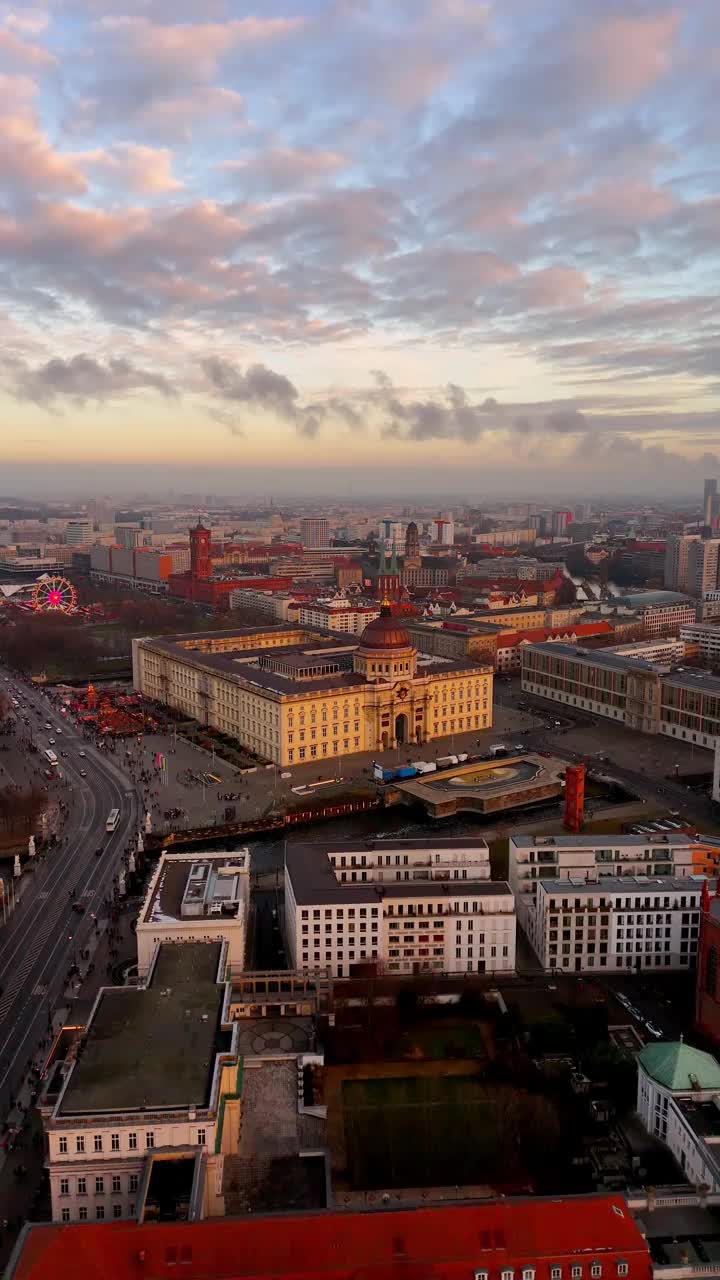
point(45, 933)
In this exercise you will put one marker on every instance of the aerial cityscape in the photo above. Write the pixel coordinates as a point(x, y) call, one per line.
point(359, 641)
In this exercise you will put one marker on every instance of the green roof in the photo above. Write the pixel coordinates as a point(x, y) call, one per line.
point(679, 1067)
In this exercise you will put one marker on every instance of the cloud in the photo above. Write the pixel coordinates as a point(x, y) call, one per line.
point(29, 165)
point(142, 169)
point(285, 168)
point(81, 378)
point(17, 53)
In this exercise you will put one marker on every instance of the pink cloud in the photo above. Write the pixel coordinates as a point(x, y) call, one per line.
point(146, 170)
point(16, 52)
point(627, 202)
point(193, 47)
point(28, 163)
point(625, 55)
point(281, 167)
point(554, 287)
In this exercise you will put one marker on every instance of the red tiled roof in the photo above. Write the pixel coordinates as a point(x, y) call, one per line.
point(445, 1243)
point(540, 634)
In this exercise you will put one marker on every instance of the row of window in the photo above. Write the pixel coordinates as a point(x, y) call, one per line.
point(556, 1273)
point(97, 1143)
point(117, 1212)
point(116, 1186)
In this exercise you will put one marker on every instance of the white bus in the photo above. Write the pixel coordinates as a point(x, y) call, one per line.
point(112, 820)
point(51, 758)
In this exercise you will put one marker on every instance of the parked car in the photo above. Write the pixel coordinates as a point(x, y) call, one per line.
point(653, 1030)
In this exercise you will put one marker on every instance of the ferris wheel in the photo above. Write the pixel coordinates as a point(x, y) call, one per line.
point(54, 595)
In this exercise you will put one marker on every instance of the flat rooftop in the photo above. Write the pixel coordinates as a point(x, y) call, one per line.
point(598, 657)
point(314, 881)
point(622, 885)
point(165, 900)
point(703, 1117)
point(678, 838)
point(152, 1048)
point(701, 681)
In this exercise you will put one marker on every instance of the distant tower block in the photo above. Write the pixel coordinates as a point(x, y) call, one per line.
point(574, 797)
point(412, 542)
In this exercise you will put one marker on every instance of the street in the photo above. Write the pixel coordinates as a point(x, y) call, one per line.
point(44, 934)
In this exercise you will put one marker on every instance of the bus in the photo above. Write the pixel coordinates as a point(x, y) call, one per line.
point(51, 758)
point(112, 819)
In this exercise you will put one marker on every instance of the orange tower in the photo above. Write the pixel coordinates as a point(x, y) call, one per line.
point(200, 563)
point(574, 797)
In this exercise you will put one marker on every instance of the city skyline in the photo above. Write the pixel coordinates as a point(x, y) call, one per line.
point(437, 243)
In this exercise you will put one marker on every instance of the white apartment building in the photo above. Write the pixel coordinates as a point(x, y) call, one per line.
point(619, 923)
point(592, 859)
point(706, 635)
point(678, 1102)
point(196, 897)
point(272, 604)
point(397, 906)
point(668, 649)
point(155, 1072)
point(78, 532)
point(703, 566)
point(336, 614)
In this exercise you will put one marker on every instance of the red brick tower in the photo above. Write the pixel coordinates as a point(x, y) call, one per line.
point(200, 564)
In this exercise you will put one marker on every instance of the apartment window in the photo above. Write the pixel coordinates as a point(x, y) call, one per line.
point(82, 1187)
point(595, 1270)
point(117, 1211)
point(97, 1142)
point(64, 1186)
point(65, 1215)
point(82, 1213)
point(133, 1182)
point(62, 1148)
point(100, 1212)
point(116, 1184)
point(80, 1144)
point(201, 1137)
point(114, 1141)
point(481, 1275)
point(622, 1268)
point(528, 1273)
point(99, 1186)
point(132, 1141)
point(576, 1272)
point(150, 1139)
point(555, 1273)
point(507, 1274)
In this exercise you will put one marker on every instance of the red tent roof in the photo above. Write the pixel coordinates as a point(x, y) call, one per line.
point(444, 1243)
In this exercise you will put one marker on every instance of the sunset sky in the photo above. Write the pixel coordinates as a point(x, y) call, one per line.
point(464, 243)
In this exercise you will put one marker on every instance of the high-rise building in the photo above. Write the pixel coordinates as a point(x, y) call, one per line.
point(128, 535)
point(703, 566)
point(710, 502)
point(315, 531)
point(78, 532)
point(560, 522)
point(443, 530)
point(677, 553)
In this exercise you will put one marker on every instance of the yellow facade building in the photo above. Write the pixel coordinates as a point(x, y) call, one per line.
point(293, 695)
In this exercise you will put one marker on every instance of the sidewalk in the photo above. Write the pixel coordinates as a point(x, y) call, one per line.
point(23, 1189)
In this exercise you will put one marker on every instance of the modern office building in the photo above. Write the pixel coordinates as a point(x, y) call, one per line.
point(706, 635)
point(703, 562)
point(677, 560)
point(78, 532)
point(617, 923)
point(293, 695)
point(710, 503)
point(397, 906)
point(152, 1076)
point(641, 695)
point(196, 897)
point(315, 531)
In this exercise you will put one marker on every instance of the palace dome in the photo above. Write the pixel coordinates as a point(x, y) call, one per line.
point(385, 632)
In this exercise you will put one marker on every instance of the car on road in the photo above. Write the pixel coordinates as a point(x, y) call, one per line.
point(51, 741)
point(83, 773)
point(48, 725)
point(653, 1030)
point(81, 755)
